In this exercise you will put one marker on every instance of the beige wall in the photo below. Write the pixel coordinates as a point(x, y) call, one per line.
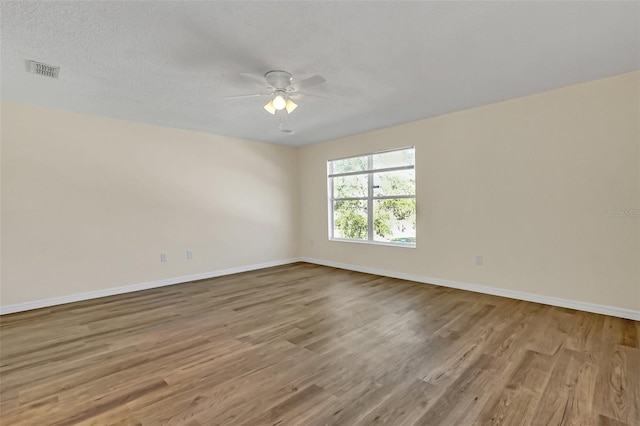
point(526, 183)
point(89, 203)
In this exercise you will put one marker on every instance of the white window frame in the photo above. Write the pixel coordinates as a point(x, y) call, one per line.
point(369, 198)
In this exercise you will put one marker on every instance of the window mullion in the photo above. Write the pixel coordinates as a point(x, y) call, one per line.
point(364, 172)
point(393, 197)
point(332, 205)
point(370, 201)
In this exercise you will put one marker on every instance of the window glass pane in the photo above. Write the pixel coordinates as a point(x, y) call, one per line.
point(384, 160)
point(350, 186)
point(394, 220)
point(355, 164)
point(401, 182)
point(350, 219)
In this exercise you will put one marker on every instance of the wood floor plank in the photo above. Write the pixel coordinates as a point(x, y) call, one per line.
point(556, 324)
point(567, 396)
point(606, 421)
point(618, 385)
point(516, 403)
point(462, 397)
point(303, 344)
point(586, 332)
point(405, 405)
point(622, 332)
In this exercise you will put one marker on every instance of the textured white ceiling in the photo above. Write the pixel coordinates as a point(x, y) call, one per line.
point(172, 62)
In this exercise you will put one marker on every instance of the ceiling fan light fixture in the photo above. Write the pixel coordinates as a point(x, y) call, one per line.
point(279, 102)
point(270, 108)
point(290, 106)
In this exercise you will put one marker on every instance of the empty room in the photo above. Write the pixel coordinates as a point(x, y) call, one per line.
point(320, 213)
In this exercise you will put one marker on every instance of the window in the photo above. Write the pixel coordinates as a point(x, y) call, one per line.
point(372, 198)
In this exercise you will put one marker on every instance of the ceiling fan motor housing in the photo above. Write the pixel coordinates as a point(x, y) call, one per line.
point(278, 79)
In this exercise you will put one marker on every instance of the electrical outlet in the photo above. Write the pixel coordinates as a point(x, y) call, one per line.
point(163, 257)
point(189, 254)
point(479, 259)
point(312, 243)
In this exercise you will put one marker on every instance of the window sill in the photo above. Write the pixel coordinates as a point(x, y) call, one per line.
point(374, 243)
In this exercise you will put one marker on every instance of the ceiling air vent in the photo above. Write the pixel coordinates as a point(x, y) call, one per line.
point(43, 69)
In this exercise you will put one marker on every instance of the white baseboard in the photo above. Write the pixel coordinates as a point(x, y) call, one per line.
point(554, 301)
point(36, 304)
point(529, 297)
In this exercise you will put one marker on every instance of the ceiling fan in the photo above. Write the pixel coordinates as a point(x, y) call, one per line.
point(281, 89)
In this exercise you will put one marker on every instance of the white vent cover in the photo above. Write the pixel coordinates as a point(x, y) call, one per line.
point(43, 69)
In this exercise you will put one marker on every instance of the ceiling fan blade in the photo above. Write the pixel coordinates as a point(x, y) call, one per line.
point(255, 78)
point(301, 95)
point(308, 82)
point(254, 95)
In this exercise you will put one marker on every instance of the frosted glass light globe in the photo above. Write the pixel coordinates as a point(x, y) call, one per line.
point(279, 102)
